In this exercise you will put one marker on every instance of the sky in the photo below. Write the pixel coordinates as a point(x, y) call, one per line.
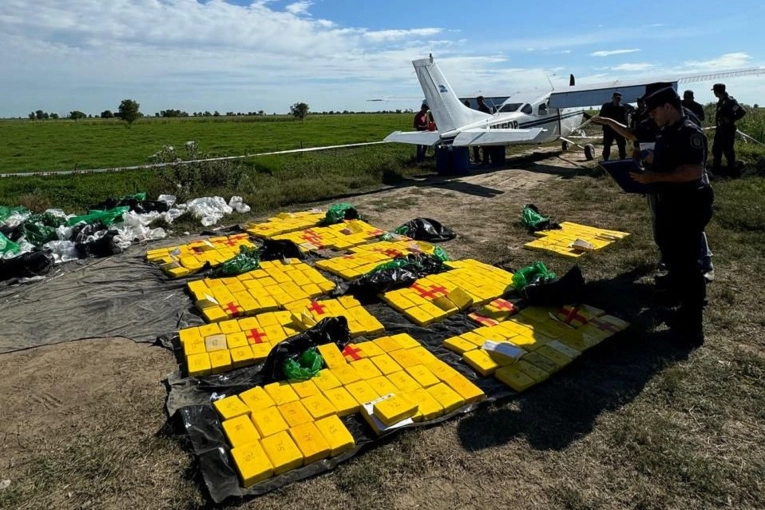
point(250, 55)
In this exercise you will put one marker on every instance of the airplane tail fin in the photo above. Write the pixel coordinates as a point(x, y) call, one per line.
point(571, 80)
point(448, 111)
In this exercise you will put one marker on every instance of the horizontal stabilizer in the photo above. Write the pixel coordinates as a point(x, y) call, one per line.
point(414, 137)
point(497, 136)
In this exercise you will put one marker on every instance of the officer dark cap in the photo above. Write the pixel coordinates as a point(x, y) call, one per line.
point(658, 94)
point(719, 87)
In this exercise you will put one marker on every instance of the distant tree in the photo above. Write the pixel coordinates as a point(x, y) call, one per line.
point(32, 116)
point(261, 112)
point(39, 115)
point(54, 116)
point(216, 114)
point(77, 115)
point(299, 110)
point(755, 106)
point(207, 114)
point(129, 110)
point(46, 115)
point(107, 114)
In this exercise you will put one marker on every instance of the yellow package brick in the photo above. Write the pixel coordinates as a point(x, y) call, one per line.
point(346, 374)
point(336, 434)
point(465, 388)
point(220, 361)
point(541, 362)
point(515, 378)
point(325, 380)
point(394, 409)
point(305, 389)
point(252, 463)
point(449, 399)
point(343, 402)
point(422, 375)
point(366, 369)
point(480, 361)
point(311, 442)
point(199, 364)
point(382, 385)
point(362, 392)
point(318, 406)
point(428, 408)
point(285, 222)
point(403, 381)
point(240, 431)
point(295, 413)
point(281, 392)
point(282, 451)
point(256, 399)
point(231, 407)
point(269, 421)
point(386, 364)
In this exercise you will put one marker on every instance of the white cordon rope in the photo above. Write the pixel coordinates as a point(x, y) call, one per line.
point(175, 163)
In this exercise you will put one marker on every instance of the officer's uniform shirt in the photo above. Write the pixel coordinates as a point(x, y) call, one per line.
point(612, 111)
point(694, 107)
point(683, 143)
point(727, 109)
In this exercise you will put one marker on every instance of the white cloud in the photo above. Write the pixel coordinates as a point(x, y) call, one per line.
point(632, 67)
point(298, 8)
point(726, 61)
point(397, 35)
point(608, 53)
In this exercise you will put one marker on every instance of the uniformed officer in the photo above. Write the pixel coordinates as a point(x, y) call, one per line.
point(684, 203)
point(728, 111)
point(692, 105)
point(616, 111)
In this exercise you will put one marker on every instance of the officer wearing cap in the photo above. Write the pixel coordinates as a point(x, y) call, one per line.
point(684, 203)
point(690, 104)
point(728, 111)
point(616, 111)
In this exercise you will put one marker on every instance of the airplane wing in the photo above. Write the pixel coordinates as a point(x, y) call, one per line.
point(414, 137)
point(497, 136)
point(597, 94)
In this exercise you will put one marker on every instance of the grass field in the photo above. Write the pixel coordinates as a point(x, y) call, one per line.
point(31, 146)
point(642, 423)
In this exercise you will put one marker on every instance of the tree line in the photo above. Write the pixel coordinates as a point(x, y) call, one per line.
point(129, 111)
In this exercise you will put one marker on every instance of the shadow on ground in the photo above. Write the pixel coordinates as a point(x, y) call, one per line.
point(566, 407)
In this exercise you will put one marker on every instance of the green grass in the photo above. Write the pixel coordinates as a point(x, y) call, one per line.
point(63, 145)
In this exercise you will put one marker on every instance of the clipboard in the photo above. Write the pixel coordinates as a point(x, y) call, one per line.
point(620, 170)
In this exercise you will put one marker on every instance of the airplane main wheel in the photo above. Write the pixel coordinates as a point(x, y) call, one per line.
point(589, 152)
point(564, 146)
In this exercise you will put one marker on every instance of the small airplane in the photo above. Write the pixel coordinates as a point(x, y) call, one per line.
point(523, 118)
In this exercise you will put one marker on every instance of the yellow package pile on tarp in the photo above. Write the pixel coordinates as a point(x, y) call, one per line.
point(276, 285)
point(367, 257)
point(341, 236)
point(574, 240)
point(180, 261)
point(391, 381)
point(285, 222)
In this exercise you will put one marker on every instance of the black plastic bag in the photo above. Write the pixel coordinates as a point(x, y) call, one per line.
point(568, 289)
point(280, 249)
point(399, 273)
point(426, 229)
point(27, 265)
point(94, 239)
point(329, 330)
point(138, 206)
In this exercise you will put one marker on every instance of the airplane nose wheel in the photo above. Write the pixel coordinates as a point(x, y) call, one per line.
point(589, 152)
point(564, 146)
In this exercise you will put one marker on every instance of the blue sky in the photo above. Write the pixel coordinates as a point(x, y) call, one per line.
point(236, 55)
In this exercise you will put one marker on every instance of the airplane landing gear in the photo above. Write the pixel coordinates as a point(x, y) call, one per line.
point(589, 152)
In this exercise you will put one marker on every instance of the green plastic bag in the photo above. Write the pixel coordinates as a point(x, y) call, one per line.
point(6, 212)
point(340, 212)
point(533, 273)
point(7, 246)
point(440, 254)
point(247, 260)
point(138, 196)
point(534, 221)
point(305, 367)
point(39, 229)
point(106, 217)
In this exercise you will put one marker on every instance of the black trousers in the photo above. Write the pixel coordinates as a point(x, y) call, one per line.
point(723, 145)
point(609, 137)
point(681, 217)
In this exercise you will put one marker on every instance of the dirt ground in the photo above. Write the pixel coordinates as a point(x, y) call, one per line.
point(83, 424)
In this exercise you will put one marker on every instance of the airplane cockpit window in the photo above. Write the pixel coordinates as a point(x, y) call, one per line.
point(543, 109)
point(510, 107)
point(527, 109)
